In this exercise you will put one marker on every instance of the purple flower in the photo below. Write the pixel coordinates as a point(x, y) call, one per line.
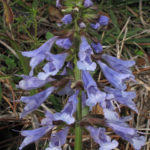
point(123, 97)
point(122, 66)
point(48, 120)
point(58, 3)
point(95, 26)
point(103, 20)
point(117, 79)
point(87, 3)
point(67, 19)
point(102, 139)
point(53, 66)
point(84, 47)
point(121, 128)
point(30, 83)
point(58, 139)
point(84, 54)
point(38, 55)
point(97, 47)
point(33, 102)
point(108, 103)
point(66, 114)
point(94, 94)
point(33, 135)
point(64, 43)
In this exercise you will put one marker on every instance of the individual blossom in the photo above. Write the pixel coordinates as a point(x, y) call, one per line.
point(55, 63)
point(66, 114)
point(85, 51)
point(67, 19)
point(58, 139)
point(103, 20)
point(34, 101)
point(123, 97)
point(30, 83)
point(97, 47)
point(95, 26)
point(33, 135)
point(94, 94)
point(121, 128)
point(117, 79)
point(119, 65)
point(100, 137)
point(64, 43)
point(39, 54)
point(87, 3)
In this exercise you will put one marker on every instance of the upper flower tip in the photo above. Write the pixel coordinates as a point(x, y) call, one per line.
point(103, 20)
point(88, 3)
point(67, 19)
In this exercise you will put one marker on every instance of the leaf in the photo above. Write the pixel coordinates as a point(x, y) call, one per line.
point(114, 21)
point(9, 17)
point(5, 77)
point(49, 35)
point(139, 52)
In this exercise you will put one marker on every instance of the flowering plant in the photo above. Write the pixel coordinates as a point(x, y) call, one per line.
point(82, 54)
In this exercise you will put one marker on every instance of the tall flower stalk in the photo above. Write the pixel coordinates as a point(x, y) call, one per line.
point(80, 53)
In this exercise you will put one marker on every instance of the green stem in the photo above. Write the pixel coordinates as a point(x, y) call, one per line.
point(78, 130)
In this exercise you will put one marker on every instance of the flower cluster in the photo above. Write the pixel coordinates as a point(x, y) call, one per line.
point(52, 63)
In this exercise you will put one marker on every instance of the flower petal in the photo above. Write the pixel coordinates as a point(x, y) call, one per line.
point(121, 128)
point(64, 43)
point(48, 120)
point(123, 97)
point(102, 139)
point(46, 47)
point(94, 94)
point(84, 54)
point(66, 114)
point(103, 20)
point(58, 139)
point(30, 83)
point(58, 3)
point(87, 3)
point(55, 63)
point(97, 47)
point(95, 26)
point(33, 135)
point(35, 61)
point(67, 19)
point(122, 66)
point(33, 102)
point(115, 78)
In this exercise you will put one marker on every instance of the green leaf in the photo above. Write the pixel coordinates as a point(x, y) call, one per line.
point(114, 21)
point(49, 35)
point(5, 77)
point(139, 52)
